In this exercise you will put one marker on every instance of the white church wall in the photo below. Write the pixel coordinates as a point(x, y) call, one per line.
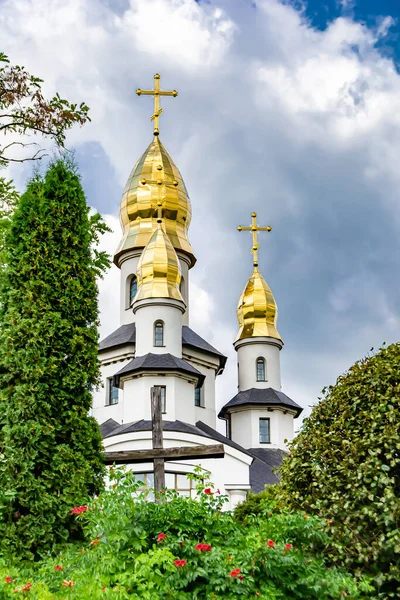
point(183, 260)
point(208, 365)
point(230, 474)
point(128, 268)
point(245, 427)
point(184, 402)
point(206, 413)
point(101, 410)
point(179, 398)
point(171, 316)
point(247, 353)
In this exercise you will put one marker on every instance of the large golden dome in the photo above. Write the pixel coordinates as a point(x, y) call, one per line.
point(155, 183)
point(257, 311)
point(158, 270)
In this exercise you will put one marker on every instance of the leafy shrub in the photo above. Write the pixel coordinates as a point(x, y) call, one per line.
point(182, 549)
point(345, 466)
point(256, 504)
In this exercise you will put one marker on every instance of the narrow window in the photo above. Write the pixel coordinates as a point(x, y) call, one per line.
point(159, 333)
point(112, 393)
point(163, 395)
point(264, 431)
point(132, 289)
point(260, 369)
point(197, 396)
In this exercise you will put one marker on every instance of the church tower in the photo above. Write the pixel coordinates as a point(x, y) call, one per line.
point(154, 349)
point(260, 415)
point(155, 189)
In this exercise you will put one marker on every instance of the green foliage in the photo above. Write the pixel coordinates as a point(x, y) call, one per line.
point(256, 504)
point(345, 465)
point(23, 109)
point(50, 449)
point(183, 549)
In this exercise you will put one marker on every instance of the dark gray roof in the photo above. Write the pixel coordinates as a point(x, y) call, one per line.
point(126, 334)
point(263, 467)
point(261, 397)
point(191, 338)
point(159, 363)
point(107, 427)
point(216, 435)
point(145, 425)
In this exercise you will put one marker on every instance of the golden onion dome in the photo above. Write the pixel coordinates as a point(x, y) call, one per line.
point(257, 311)
point(158, 271)
point(154, 184)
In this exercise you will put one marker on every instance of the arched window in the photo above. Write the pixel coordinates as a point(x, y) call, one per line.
point(159, 333)
point(132, 289)
point(260, 369)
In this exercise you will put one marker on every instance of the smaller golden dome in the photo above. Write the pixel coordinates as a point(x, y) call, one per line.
point(158, 270)
point(257, 311)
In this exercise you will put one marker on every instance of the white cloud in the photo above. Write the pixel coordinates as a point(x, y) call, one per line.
point(273, 115)
point(183, 32)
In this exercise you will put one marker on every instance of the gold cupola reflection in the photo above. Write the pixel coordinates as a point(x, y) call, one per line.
point(158, 271)
point(257, 311)
point(155, 183)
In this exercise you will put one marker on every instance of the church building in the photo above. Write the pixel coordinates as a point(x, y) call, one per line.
point(154, 346)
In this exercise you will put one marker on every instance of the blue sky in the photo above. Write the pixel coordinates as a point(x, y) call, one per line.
point(288, 109)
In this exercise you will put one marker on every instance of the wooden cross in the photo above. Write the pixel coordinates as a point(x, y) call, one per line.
point(254, 228)
point(156, 93)
point(158, 455)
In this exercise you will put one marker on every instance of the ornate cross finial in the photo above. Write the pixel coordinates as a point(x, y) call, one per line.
point(254, 228)
point(156, 93)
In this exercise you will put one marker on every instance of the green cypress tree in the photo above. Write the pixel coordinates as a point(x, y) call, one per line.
point(51, 449)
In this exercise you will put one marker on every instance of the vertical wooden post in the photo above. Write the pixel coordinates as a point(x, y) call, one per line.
point(156, 424)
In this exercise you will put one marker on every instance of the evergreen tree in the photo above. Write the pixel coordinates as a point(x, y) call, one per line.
point(51, 449)
point(345, 466)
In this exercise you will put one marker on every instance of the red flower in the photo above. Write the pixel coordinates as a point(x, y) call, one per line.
point(218, 492)
point(68, 583)
point(160, 537)
point(241, 577)
point(95, 542)
point(270, 544)
point(78, 510)
point(26, 587)
point(208, 491)
point(8, 579)
point(58, 568)
point(235, 572)
point(180, 563)
point(181, 543)
point(288, 546)
point(203, 547)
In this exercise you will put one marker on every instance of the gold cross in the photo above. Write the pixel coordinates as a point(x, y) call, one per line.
point(156, 93)
point(254, 228)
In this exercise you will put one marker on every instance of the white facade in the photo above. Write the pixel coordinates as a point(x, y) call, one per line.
point(159, 310)
point(245, 427)
point(230, 475)
point(248, 351)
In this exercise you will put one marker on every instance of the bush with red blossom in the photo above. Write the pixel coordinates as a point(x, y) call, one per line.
point(183, 548)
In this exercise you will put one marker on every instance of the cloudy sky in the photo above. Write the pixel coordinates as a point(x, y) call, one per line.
point(290, 109)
